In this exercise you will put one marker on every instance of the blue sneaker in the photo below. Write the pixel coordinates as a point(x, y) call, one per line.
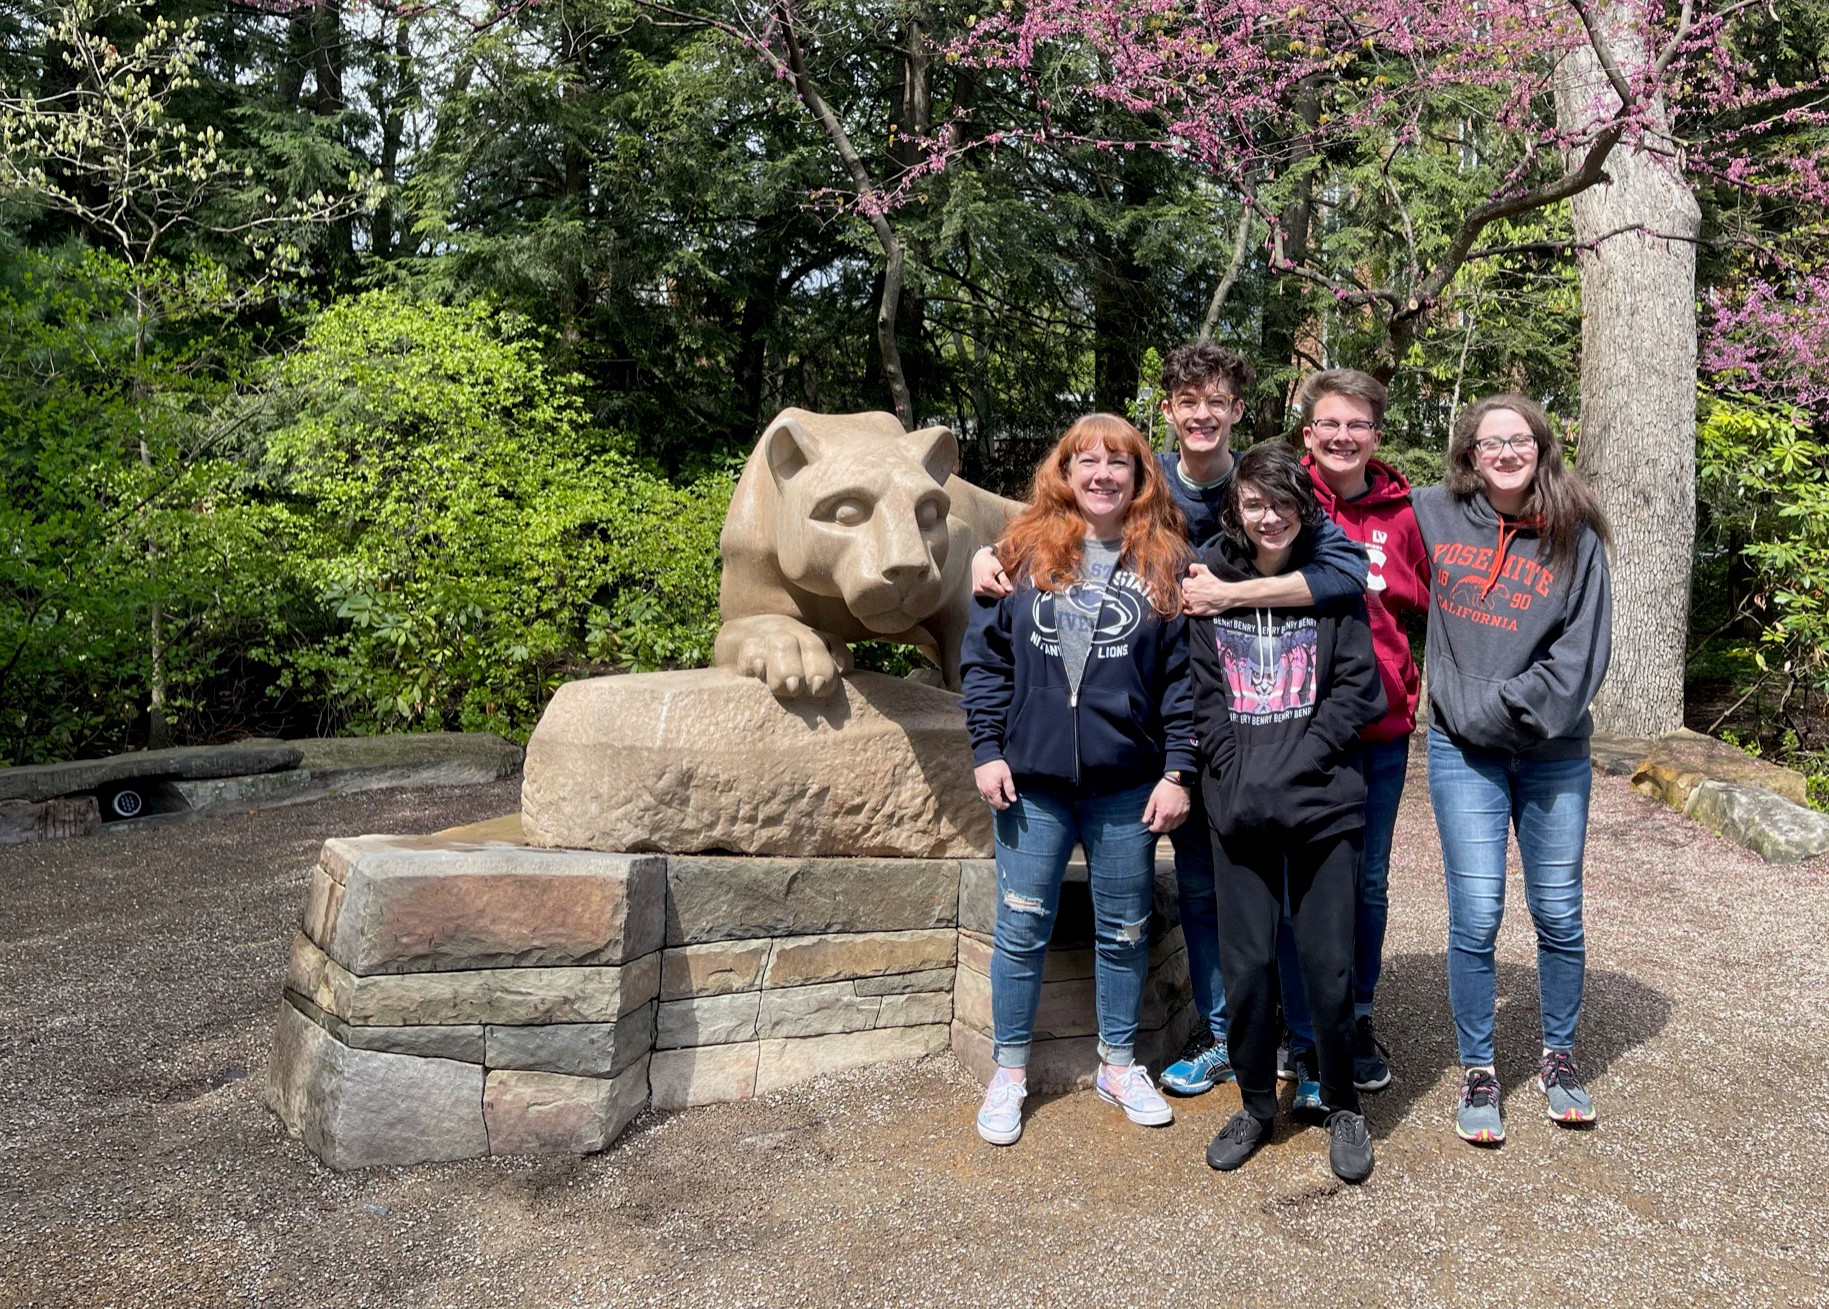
point(1476, 1118)
point(1201, 1067)
point(1560, 1082)
point(1307, 1103)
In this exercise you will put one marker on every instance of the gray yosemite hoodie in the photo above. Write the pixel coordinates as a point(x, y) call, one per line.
point(1515, 651)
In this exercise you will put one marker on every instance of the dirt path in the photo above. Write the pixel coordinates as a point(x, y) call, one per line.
point(139, 976)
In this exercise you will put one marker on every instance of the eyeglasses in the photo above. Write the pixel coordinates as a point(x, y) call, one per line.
point(1253, 511)
point(1490, 446)
point(1193, 404)
point(1332, 426)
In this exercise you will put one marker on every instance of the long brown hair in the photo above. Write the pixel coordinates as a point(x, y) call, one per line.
point(1043, 546)
point(1559, 500)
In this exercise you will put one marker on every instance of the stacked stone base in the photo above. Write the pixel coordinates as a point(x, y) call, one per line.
point(1064, 1055)
point(456, 996)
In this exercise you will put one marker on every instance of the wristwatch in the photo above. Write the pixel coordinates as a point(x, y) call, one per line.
point(1180, 777)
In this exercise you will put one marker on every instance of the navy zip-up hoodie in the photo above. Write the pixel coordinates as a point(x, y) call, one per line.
point(1133, 717)
point(1280, 697)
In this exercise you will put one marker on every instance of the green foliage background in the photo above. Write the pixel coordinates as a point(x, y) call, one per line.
point(466, 424)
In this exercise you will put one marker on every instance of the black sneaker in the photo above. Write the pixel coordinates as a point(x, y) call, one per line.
point(1237, 1141)
point(1349, 1146)
point(1370, 1071)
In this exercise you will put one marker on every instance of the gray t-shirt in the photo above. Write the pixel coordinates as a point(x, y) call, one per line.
point(1076, 610)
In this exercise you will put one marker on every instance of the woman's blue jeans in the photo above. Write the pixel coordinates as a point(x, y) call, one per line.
point(1035, 837)
point(1477, 795)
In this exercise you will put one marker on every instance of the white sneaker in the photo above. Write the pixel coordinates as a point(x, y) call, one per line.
point(1128, 1086)
point(1000, 1116)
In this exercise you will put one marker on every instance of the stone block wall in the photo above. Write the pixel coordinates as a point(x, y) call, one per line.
point(777, 970)
point(451, 997)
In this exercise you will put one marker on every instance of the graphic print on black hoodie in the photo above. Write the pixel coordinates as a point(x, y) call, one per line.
point(1280, 696)
point(1269, 658)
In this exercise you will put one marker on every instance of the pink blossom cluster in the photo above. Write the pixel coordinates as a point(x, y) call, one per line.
point(1771, 338)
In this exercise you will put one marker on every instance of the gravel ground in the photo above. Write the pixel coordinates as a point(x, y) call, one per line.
point(139, 976)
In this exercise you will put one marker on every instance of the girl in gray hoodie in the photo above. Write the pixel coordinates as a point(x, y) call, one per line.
point(1520, 630)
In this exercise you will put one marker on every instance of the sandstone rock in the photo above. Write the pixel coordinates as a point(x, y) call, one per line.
point(260, 790)
point(1771, 826)
point(1682, 760)
point(978, 895)
point(1618, 756)
point(817, 1011)
point(507, 829)
point(1071, 1063)
point(718, 968)
point(938, 979)
point(915, 1009)
point(711, 1020)
point(38, 782)
point(790, 1062)
point(506, 996)
point(323, 900)
point(412, 904)
point(44, 820)
point(578, 1049)
point(463, 1042)
point(706, 1074)
point(357, 1108)
point(722, 898)
point(549, 1113)
point(800, 960)
point(347, 764)
point(710, 760)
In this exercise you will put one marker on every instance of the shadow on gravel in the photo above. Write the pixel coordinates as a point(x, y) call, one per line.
point(1618, 1012)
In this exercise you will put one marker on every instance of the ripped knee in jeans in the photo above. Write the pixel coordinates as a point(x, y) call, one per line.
point(1022, 904)
point(1132, 933)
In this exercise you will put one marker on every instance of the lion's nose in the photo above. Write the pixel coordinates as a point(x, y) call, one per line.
point(903, 574)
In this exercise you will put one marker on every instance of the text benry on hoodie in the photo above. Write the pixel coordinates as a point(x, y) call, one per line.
point(1517, 648)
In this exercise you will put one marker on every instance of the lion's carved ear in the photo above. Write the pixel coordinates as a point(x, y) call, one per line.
point(789, 447)
point(937, 449)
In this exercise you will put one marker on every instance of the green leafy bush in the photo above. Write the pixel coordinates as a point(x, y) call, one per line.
point(1763, 562)
point(120, 496)
point(472, 541)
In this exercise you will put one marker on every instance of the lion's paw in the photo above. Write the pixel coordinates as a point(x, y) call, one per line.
point(790, 658)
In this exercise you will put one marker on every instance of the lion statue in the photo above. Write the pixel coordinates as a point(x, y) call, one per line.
point(846, 528)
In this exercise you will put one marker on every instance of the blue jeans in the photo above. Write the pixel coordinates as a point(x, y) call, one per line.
point(1035, 837)
point(1477, 794)
point(1193, 844)
point(1386, 764)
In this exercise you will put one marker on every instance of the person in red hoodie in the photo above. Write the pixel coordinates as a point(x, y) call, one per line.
point(1342, 418)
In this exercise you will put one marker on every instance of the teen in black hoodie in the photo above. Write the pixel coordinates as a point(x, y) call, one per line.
point(1280, 696)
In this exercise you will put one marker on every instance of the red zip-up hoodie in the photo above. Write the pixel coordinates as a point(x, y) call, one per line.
point(1382, 521)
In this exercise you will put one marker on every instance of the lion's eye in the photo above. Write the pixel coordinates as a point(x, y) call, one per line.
point(929, 512)
point(846, 512)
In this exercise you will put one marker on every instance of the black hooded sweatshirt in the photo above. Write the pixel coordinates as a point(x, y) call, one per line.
point(1280, 696)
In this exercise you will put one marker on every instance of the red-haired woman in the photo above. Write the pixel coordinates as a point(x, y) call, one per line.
point(1078, 706)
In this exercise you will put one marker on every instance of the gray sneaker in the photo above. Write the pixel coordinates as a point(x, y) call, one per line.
point(1477, 1120)
point(1349, 1146)
point(1560, 1082)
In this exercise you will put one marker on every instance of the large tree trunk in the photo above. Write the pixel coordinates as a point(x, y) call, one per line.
point(1638, 387)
